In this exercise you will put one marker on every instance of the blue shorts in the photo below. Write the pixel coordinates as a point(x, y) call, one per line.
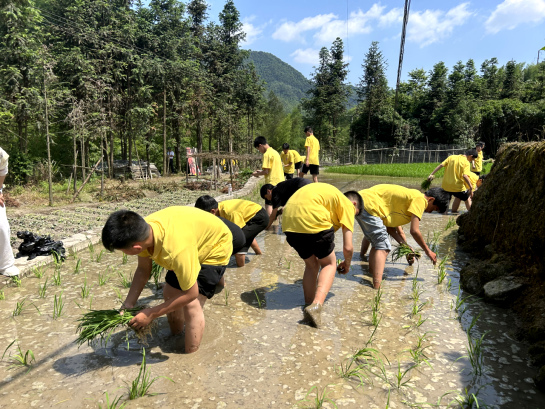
point(374, 230)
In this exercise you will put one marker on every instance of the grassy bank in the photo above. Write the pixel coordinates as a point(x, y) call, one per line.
point(415, 170)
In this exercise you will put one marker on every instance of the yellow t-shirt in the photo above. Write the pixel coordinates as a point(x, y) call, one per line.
point(184, 238)
point(287, 158)
point(296, 156)
point(238, 211)
point(478, 162)
point(314, 148)
point(473, 177)
point(394, 204)
point(303, 159)
point(455, 167)
point(317, 207)
point(272, 161)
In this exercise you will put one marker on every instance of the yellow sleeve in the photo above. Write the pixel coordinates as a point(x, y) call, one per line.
point(267, 161)
point(346, 213)
point(417, 206)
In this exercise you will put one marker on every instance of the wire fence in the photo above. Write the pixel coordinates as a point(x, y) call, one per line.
point(375, 154)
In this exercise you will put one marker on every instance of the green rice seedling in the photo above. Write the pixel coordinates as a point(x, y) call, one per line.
point(388, 400)
point(20, 306)
point(20, 359)
point(417, 291)
point(448, 286)
point(441, 270)
point(425, 185)
point(100, 324)
point(114, 404)
point(38, 271)
point(118, 295)
point(475, 349)
point(399, 376)
point(98, 257)
point(141, 385)
point(91, 303)
point(57, 259)
point(123, 281)
point(226, 295)
point(451, 223)
point(2, 296)
point(318, 401)
point(91, 248)
point(75, 254)
point(418, 307)
point(460, 304)
point(351, 369)
point(57, 279)
point(43, 289)
point(102, 279)
point(125, 259)
point(403, 250)
point(433, 242)
point(84, 289)
point(467, 400)
point(156, 271)
point(58, 306)
point(16, 281)
point(77, 267)
point(258, 300)
point(420, 321)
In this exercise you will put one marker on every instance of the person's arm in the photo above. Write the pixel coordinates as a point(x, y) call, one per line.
point(468, 183)
point(398, 234)
point(146, 316)
point(2, 193)
point(272, 217)
point(348, 251)
point(415, 232)
point(308, 156)
point(264, 171)
point(141, 277)
point(430, 177)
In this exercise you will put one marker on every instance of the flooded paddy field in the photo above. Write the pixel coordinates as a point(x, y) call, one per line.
point(256, 353)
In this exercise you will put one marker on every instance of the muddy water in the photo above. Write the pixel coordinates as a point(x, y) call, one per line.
point(256, 353)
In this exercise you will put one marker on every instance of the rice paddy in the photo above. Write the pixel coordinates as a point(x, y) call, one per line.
point(256, 353)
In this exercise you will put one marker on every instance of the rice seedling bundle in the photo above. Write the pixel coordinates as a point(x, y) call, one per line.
point(100, 324)
point(425, 185)
point(403, 250)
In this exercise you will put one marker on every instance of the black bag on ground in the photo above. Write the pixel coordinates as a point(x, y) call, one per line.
point(34, 246)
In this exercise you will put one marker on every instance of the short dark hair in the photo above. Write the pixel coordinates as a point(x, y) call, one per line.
point(479, 144)
point(472, 152)
point(124, 228)
point(260, 140)
point(442, 198)
point(206, 203)
point(355, 196)
point(286, 146)
point(308, 129)
point(264, 188)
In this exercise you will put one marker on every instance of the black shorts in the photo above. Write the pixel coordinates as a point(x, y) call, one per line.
point(288, 176)
point(477, 173)
point(314, 169)
point(299, 165)
point(318, 244)
point(253, 227)
point(208, 278)
point(463, 196)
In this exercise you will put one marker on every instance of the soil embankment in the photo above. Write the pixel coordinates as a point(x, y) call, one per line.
point(505, 232)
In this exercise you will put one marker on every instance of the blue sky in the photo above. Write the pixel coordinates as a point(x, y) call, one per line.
point(445, 30)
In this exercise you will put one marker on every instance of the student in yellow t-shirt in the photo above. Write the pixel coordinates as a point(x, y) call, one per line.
point(456, 178)
point(477, 164)
point(194, 246)
point(288, 161)
point(247, 215)
point(386, 209)
point(298, 161)
point(272, 166)
point(312, 161)
point(310, 220)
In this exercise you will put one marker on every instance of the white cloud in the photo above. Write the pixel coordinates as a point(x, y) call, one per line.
point(252, 32)
point(394, 16)
point(291, 31)
point(431, 26)
point(306, 56)
point(512, 13)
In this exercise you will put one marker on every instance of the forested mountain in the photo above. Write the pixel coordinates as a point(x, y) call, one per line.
point(286, 82)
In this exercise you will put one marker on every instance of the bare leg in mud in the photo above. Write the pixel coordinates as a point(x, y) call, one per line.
point(377, 261)
point(191, 317)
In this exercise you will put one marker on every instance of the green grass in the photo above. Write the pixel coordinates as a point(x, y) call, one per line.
point(142, 383)
point(115, 403)
point(20, 359)
point(411, 170)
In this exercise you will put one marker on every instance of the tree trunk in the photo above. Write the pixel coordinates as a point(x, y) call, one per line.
point(165, 158)
point(49, 177)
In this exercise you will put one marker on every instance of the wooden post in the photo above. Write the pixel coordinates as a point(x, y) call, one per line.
point(86, 180)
